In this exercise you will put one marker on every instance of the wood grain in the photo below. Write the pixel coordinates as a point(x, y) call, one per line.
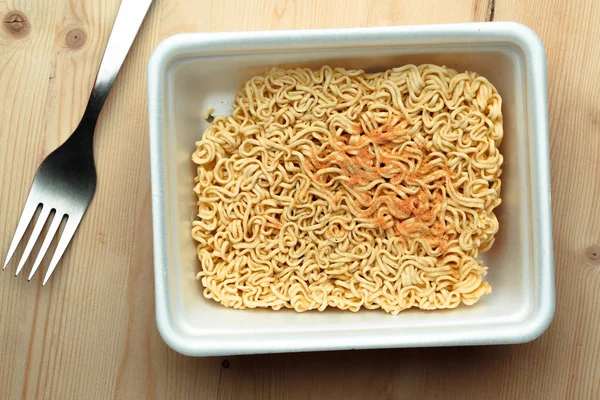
point(91, 333)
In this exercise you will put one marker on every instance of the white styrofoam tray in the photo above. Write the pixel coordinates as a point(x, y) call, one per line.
point(190, 73)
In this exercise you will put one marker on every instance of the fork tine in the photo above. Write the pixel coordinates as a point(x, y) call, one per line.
point(30, 206)
point(34, 237)
point(56, 220)
point(65, 239)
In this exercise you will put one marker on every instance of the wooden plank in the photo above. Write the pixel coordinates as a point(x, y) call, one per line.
point(92, 332)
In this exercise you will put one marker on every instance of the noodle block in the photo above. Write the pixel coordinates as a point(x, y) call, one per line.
point(340, 188)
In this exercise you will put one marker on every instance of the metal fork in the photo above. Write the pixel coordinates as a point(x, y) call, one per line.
point(65, 182)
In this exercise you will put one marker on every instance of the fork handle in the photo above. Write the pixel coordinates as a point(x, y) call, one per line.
point(127, 24)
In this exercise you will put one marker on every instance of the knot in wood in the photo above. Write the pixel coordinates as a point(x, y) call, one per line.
point(75, 38)
point(592, 253)
point(16, 24)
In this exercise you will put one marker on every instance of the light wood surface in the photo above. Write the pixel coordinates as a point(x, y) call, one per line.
point(91, 333)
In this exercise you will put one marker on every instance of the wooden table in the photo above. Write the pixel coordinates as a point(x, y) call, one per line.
point(91, 333)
